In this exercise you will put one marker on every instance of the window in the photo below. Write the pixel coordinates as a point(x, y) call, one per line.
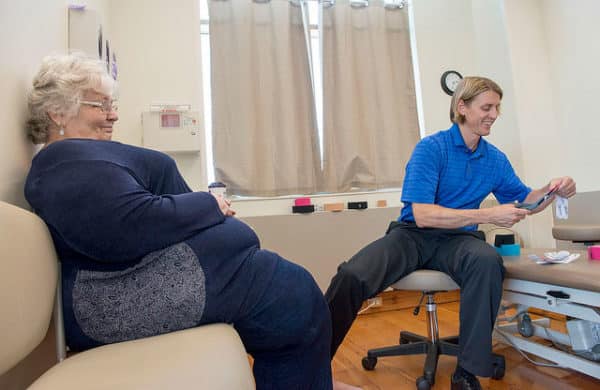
point(366, 124)
point(205, 47)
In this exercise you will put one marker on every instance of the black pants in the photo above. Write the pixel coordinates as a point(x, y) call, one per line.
point(473, 264)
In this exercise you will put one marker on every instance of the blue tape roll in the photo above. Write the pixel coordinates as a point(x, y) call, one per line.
point(509, 250)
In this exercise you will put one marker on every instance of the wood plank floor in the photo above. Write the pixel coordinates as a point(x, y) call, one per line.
point(392, 373)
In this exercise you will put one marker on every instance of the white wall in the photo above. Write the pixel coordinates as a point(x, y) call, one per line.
point(554, 57)
point(444, 35)
point(29, 30)
point(572, 33)
point(22, 45)
point(158, 53)
point(534, 103)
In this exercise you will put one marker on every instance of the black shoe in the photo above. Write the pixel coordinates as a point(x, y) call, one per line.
point(464, 380)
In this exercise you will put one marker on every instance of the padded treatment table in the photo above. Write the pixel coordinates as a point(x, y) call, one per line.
point(571, 289)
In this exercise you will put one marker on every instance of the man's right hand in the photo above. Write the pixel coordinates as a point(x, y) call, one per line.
point(506, 215)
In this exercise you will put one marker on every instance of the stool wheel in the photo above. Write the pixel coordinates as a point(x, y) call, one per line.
point(423, 383)
point(499, 367)
point(369, 363)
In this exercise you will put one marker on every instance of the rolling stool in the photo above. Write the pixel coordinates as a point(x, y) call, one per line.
point(429, 282)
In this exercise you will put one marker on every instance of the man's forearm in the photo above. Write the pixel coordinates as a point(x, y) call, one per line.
point(435, 216)
point(535, 195)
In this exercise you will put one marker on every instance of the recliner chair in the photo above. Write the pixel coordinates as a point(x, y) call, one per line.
point(429, 283)
point(28, 281)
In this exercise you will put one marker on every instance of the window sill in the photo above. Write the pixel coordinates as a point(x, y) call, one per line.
point(282, 205)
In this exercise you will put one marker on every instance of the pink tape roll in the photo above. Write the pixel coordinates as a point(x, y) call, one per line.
point(594, 252)
point(302, 202)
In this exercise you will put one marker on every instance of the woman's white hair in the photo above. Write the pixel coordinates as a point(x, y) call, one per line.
point(58, 88)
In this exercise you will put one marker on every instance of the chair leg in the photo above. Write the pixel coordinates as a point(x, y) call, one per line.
point(448, 348)
point(409, 337)
point(399, 350)
point(450, 340)
point(413, 344)
point(59, 325)
point(431, 361)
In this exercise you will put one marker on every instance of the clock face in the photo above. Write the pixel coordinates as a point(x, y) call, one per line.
point(450, 80)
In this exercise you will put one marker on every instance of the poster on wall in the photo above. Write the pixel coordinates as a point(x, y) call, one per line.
point(100, 41)
point(113, 69)
point(107, 56)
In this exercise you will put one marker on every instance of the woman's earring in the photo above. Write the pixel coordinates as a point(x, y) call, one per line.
point(61, 131)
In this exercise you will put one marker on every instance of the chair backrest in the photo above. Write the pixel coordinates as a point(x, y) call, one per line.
point(582, 228)
point(28, 278)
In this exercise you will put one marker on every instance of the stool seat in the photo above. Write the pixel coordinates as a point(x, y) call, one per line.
point(426, 280)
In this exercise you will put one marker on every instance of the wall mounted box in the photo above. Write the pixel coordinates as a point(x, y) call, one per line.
point(172, 131)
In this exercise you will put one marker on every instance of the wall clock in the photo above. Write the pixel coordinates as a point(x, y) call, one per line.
point(450, 80)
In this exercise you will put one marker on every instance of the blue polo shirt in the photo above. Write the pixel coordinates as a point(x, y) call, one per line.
point(443, 171)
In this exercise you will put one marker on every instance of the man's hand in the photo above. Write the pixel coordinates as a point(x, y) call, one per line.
point(435, 216)
point(224, 205)
point(506, 215)
point(563, 186)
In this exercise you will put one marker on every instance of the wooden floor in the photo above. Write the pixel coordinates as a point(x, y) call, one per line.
point(392, 373)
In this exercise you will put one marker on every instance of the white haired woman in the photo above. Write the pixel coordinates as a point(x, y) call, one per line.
point(143, 255)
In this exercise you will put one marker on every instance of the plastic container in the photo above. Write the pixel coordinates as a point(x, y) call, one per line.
point(218, 188)
point(509, 250)
point(594, 252)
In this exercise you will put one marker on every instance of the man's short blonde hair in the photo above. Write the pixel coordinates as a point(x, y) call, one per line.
point(467, 90)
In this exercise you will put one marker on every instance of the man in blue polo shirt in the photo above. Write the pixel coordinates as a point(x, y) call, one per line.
point(448, 176)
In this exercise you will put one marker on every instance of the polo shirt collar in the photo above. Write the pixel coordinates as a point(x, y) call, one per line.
point(458, 141)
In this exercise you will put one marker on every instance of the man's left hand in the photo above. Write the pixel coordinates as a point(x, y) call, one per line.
point(563, 186)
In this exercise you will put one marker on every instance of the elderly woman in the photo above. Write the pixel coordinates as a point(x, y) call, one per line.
point(143, 255)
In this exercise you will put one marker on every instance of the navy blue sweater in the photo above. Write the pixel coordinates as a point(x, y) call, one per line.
point(109, 204)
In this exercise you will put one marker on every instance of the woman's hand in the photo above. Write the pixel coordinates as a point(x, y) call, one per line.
point(224, 205)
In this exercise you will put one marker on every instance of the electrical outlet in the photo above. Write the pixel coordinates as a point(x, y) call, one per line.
point(374, 302)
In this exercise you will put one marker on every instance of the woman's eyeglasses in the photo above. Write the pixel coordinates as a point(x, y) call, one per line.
point(106, 106)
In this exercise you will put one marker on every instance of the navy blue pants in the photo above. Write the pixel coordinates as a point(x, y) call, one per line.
point(473, 264)
point(283, 322)
point(275, 306)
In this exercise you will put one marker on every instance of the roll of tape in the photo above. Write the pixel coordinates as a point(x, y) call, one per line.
point(509, 250)
point(302, 201)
